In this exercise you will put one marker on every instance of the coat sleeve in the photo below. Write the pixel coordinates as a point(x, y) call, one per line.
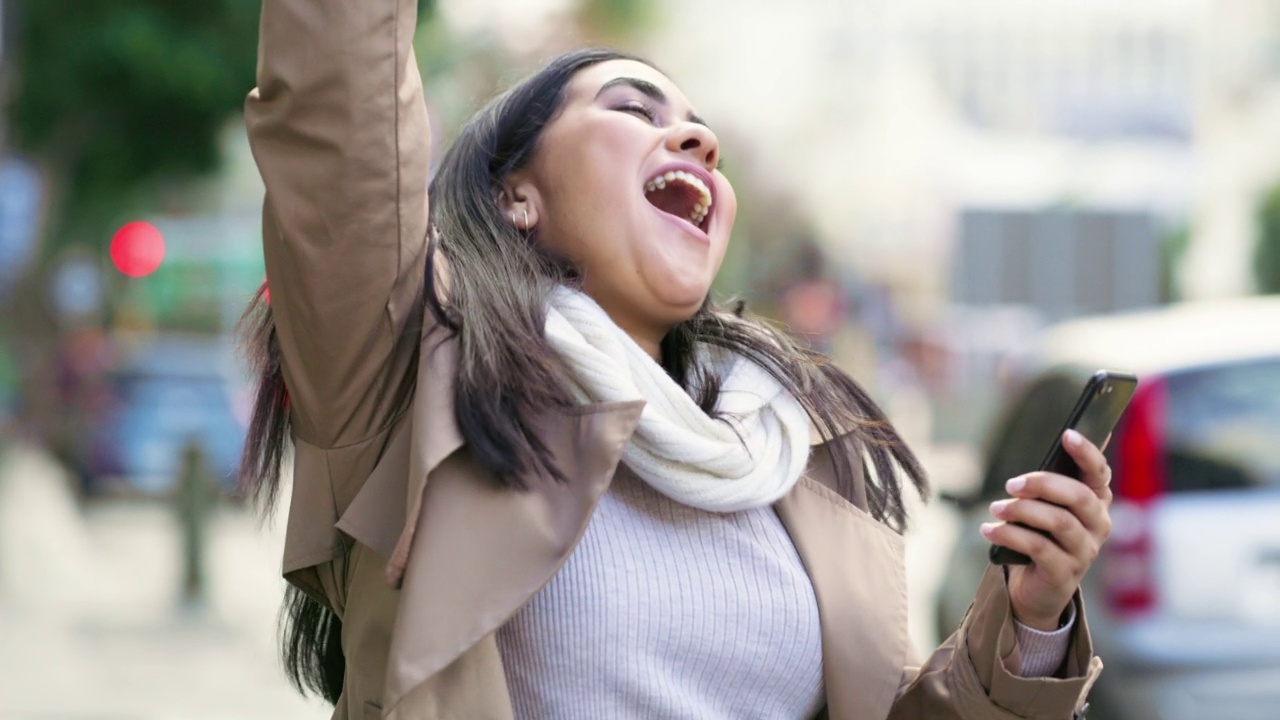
point(338, 127)
point(973, 675)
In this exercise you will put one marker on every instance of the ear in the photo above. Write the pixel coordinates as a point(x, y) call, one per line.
point(520, 202)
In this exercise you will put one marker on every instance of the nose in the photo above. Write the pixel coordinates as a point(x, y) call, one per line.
point(696, 140)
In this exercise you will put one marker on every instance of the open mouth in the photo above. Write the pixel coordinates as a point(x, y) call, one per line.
point(681, 194)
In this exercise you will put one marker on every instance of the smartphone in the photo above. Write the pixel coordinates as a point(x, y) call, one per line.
point(1094, 416)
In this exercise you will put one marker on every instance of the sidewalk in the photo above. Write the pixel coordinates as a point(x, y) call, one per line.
point(91, 625)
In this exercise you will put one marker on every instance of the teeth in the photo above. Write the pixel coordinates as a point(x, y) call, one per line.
point(701, 208)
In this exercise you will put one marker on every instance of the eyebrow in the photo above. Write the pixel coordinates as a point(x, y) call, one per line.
point(649, 89)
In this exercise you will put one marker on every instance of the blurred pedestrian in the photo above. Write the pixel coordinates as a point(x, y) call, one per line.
point(812, 304)
point(537, 472)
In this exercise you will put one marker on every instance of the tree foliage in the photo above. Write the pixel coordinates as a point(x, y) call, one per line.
point(118, 97)
point(113, 96)
point(616, 21)
point(1266, 259)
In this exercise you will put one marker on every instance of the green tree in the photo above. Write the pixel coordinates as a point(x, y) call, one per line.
point(118, 98)
point(616, 21)
point(1173, 251)
point(1266, 258)
point(118, 102)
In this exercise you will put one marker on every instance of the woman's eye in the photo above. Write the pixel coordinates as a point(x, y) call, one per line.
point(638, 109)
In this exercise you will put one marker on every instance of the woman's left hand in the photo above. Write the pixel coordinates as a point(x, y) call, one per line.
point(1076, 515)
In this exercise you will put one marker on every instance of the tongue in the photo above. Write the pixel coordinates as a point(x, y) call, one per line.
point(676, 198)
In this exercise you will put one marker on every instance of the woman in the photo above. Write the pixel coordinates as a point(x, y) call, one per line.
point(537, 473)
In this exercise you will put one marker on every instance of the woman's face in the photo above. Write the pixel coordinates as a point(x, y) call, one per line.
point(624, 184)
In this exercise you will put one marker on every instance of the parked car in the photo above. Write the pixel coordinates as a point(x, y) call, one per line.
point(167, 392)
point(1184, 602)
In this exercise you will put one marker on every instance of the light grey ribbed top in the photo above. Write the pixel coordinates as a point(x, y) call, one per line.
point(667, 611)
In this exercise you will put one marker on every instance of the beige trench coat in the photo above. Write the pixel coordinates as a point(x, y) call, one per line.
point(391, 522)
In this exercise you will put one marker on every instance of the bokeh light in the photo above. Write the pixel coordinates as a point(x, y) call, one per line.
point(137, 249)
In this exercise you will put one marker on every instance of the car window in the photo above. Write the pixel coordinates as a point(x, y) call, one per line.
point(1223, 427)
point(1028, 429)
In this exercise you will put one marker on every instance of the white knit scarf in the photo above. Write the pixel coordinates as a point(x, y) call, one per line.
point(749, 459)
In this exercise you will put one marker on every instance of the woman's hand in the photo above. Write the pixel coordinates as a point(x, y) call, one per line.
point(1076, 515)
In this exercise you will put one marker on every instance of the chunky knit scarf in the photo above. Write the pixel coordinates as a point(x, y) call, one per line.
point(749, 458)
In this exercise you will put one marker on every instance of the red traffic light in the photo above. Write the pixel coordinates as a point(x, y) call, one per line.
point(137, 249)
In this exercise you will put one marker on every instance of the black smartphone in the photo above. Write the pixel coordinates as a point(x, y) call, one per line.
point(1094, 416)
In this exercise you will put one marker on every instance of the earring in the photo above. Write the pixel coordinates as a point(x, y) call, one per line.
point(526, 220)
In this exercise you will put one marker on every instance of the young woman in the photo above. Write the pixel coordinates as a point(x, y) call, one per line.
point(537, 473)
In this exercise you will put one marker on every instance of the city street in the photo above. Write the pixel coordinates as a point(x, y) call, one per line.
point(91, 620)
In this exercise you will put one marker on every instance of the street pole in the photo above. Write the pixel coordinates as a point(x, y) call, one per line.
point(194, 501)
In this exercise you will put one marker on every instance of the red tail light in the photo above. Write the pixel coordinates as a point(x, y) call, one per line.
point(1140, 477)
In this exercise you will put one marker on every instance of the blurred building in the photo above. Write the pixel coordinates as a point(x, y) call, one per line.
point(1059, 263)
point(1077, 69)
point(997, 164)
point(898, 117)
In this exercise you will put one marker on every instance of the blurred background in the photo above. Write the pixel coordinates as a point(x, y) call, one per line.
point(932, 191)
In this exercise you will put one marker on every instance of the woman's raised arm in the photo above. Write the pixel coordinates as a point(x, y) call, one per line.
point(338, 127)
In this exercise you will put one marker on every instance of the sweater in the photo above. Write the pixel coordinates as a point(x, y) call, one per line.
point(664, 610)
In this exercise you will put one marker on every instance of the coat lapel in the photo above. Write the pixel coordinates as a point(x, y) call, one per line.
point(855, 564)
point(435, 432)
point(384, 513)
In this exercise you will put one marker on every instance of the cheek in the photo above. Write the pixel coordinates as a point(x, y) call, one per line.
point(587, 194)
point(729, 203)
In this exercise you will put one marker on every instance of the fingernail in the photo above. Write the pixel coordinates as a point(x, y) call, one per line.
point(1074, 438)
point(987, 528)
point(1016, 484)
point(999, 507)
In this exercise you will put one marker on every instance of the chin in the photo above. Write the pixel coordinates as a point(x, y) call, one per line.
point(685, 306)
point(680, 286)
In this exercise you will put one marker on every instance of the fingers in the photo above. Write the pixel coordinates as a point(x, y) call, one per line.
point(1067, 531)
point(1071, 496)
point(1094, 469)
point(1058, 521)
point(1061, 566)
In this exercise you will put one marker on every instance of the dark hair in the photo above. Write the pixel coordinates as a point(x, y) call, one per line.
point(509, 374)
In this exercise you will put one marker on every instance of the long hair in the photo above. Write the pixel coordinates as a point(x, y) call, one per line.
point(497, 283)
point(509, 373)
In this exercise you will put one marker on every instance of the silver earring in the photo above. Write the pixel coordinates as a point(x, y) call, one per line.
point(526, 220)
point(513, 220)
